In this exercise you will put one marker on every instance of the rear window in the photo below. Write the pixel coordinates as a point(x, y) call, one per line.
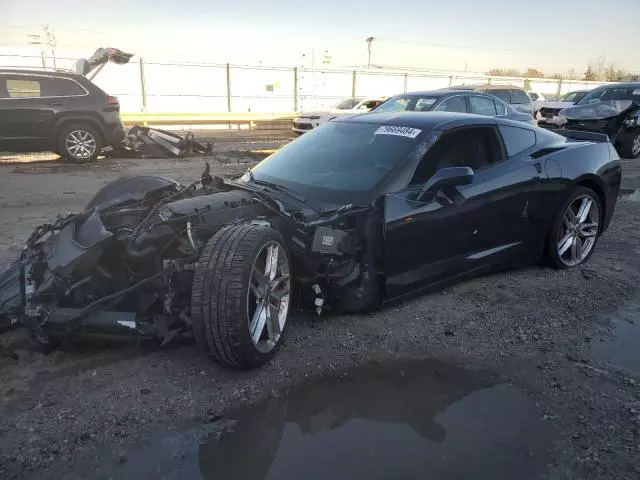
point(500, 93)
point(519, 96)
point(60, 87)
point(517, 140)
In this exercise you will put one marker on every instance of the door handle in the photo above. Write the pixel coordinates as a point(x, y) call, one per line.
point(55, 105)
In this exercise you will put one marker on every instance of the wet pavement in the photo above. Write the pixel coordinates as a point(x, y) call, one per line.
point(619, 347)
point(400, 419)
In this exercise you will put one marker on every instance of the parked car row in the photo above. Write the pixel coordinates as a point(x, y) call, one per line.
point(612, 109)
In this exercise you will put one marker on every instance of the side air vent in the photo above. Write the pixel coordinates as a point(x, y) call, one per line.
point(545, 151)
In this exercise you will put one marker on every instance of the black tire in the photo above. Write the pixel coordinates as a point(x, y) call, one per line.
point(626, 145)
point(551, 255)
point(219, 297)
point(94, 143)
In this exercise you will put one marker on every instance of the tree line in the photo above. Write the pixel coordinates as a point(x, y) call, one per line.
point(597, 70)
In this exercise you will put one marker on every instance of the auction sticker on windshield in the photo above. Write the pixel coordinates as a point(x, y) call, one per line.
point(399, 131)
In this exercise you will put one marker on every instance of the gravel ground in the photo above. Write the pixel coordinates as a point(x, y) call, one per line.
point(553, 334)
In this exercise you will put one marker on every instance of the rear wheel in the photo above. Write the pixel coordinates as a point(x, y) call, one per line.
point(79, 143)
point(575, 230)
point(241, 295)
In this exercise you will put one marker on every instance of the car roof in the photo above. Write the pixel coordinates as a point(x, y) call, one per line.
point(39, 72)
point(437, 93)
point(422, 120)
point(621, 85)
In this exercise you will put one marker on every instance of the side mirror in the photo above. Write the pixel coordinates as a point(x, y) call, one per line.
point(447, 177)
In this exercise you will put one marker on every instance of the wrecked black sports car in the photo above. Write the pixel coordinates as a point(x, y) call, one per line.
point(354, 214)
point(611, 109)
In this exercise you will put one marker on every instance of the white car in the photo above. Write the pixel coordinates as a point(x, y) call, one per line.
point(309, 120)
point(545, 111)
point(537, 97)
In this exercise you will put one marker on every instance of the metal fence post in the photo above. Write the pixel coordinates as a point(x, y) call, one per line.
point(406, 81)
point(143, 86)
point(295, 89)
point(228, 88)
point(450, 80)
point(559, 90)
point(489, 81)
point(353, 85)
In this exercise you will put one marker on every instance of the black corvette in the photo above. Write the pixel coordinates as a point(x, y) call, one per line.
point(361, 211)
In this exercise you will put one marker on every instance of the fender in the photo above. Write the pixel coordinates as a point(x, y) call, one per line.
point(90, 118)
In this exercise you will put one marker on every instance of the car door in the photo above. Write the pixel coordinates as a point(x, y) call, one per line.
point(457, 229)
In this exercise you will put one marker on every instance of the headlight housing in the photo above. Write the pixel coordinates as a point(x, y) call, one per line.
point(559, 120)
point(632, 122)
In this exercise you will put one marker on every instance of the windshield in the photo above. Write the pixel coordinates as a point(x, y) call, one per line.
point(572, 97)
point(401, 103)
point(347, 104)
point(338, 162)
point(611, 93)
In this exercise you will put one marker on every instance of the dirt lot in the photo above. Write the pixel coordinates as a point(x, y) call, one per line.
point(567, 341)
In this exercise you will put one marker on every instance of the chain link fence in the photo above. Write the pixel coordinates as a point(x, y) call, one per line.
point(157, 87)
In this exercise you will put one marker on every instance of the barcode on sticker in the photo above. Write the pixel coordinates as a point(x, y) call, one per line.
point(399, 131)
point(327, 240)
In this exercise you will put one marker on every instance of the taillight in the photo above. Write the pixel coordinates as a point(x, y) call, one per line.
point(112, 100)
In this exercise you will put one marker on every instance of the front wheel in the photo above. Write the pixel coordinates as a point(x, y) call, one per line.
point(241, 295)
point(575, 230)
point(630, 145)
point(79, 143)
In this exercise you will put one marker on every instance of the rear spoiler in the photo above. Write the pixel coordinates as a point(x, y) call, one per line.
point(580, 135)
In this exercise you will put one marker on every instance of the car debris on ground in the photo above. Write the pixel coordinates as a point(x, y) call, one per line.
point(152, 142)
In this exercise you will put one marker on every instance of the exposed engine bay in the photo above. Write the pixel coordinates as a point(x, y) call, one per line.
point(124, 268)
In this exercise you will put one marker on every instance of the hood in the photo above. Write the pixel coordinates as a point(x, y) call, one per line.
point(599, 110)
point(555, 105)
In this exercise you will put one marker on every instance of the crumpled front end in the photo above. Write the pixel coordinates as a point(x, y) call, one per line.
point(337, 260)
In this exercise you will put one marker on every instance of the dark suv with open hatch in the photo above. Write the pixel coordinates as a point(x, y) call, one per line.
point(54, 111)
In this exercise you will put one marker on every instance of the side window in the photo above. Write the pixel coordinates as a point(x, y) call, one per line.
point(60, 87)
point(517, 140)
point(482, 106)
point(501, 94)
point(20, 87)
point(476, 147)
point(453, 104)
point(501, 109)
point(519, 96)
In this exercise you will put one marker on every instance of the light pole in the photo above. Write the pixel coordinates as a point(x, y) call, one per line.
point(369, 41)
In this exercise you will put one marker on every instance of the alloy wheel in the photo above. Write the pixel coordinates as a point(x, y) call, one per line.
point(578, 230)
point(635, 146)
point(268, 296)
point(80, 144)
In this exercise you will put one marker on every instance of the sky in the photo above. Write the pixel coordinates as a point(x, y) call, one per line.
point(549, 35)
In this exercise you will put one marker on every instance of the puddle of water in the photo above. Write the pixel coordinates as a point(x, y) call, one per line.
point(397, 420)
point(632, 195)
point(621, 350)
